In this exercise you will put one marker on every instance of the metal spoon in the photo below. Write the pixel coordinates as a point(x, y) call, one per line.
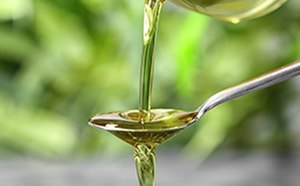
point(170, 120)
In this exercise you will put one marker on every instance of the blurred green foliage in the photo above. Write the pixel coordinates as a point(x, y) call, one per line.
point(62, 61)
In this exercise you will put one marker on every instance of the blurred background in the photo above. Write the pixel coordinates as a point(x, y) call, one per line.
point(63, 61)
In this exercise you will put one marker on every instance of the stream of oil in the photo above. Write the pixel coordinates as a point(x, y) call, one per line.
point(146, 128)
point(152, 9)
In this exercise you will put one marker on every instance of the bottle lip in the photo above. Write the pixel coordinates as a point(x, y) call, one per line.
point(212, 10)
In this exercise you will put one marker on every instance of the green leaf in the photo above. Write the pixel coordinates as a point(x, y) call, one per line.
point(187, 51)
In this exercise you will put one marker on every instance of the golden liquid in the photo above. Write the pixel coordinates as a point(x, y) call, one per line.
point(144, 135)
point(231, 10)
point(144, 157)
point(128, 125)
point(152, 9)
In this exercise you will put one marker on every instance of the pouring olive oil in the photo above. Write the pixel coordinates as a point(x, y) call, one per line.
point(145, 129)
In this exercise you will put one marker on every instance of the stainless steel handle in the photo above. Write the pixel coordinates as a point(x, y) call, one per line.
point(263, 81)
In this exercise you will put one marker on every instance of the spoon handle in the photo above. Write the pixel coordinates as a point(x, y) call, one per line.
point(263, 81)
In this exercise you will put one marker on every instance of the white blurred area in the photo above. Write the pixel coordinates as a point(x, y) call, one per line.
point(222, 170)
